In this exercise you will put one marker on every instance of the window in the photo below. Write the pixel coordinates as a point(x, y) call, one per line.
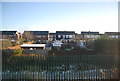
point(70, 36)
point(59, 36)
point(38, 36)
point(63, 36)
point(43, 36)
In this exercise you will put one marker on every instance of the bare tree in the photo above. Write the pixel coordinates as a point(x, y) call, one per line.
point(29, 36)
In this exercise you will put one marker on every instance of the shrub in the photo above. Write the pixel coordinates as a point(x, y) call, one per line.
point(18, 51)
point(20, 41)
point(106, 45)
point(6, 44)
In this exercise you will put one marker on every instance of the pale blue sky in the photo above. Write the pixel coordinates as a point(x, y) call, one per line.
point(54, 16)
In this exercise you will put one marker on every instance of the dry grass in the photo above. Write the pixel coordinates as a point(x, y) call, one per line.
point(18, 46)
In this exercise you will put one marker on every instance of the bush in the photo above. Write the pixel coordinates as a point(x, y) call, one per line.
point(34, 42)
point(20, 41)
point(106, 45)
point(18, 51)
point(6, 44)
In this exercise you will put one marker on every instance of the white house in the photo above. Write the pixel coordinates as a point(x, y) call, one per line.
point(65, 35)
point(90, 35)
point(112, 34)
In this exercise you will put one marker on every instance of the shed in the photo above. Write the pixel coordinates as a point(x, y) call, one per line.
point(33, 46)
point(57, 44)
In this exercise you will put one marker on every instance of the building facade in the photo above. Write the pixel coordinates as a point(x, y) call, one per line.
point(90, 35)
point(112, 34)
point(52, 37)
point(8, 35)
point(65, 35)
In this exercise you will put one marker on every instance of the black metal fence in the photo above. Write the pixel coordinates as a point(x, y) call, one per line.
point(67, 67)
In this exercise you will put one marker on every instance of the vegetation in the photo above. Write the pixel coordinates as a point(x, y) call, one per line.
point(34, 42)
point(20, 41)
point(38, 63)
point(18, 51)
point(29, 36)
point(106, 45)
point(83, 59)
point(6, 44)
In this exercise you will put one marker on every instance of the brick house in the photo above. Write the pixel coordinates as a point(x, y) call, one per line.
point(8, 35)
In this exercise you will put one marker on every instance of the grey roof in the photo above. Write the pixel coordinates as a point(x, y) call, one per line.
point(89, 33)
point(65, 32)
point(8, 32)
point(38, 32)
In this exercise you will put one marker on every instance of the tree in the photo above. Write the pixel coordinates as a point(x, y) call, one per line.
point(106, 45)
point(29, 36)
point(20, 41)
point(6, 44)
point(18, 51)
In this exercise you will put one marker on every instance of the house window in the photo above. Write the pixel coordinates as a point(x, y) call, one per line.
point(73, 36)
point(59, 36)
point(70, 36)
point(67, 36)
point(63, 36)
point(10, 35)
point(43, 36)
point(92, 36)
point(88, 36)
point(38, 36)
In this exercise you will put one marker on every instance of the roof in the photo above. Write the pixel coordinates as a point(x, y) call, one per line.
point(65, 32)
point(33, 45)
point(112, 33)
point(52, 33)
point(38, 32)
point(57, 43)
point(88, 33)
point(8, 32)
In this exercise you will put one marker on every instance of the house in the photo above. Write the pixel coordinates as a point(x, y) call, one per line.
point(33, 46)
point(52, 37)
point(101, 35)
point(78, 37)
point(90, 35)
point(112, 34)
point(37, 35)
point(65, 36)
point(8, 35)
point(89, 38)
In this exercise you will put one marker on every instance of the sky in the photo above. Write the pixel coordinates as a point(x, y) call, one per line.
point(60, 16)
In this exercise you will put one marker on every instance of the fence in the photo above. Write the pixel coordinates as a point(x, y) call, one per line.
point(67, 67)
